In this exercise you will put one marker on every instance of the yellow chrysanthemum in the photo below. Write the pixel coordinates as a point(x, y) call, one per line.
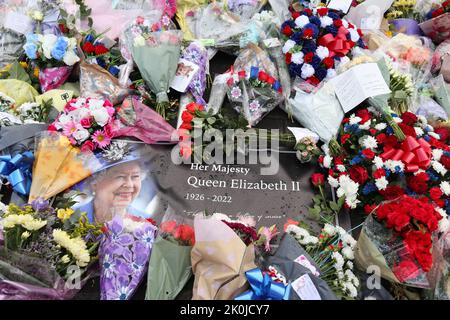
point(36, 72)
point(64, 214)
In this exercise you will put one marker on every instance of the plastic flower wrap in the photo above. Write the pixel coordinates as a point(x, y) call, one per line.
point(333, 254)
point(88, 123)
point(55, 56)
point(123, 255)
point(156, 53)
point(185, 7)
point(19, 91)
point(437, 27)
point(398, 237)
point(220, 259)
point(140, 121)
point(254, 94)
point(315, 41)
point(245, 8)
point(59, 165)
point(46, 253)
point(170, 264)
point(198, 55)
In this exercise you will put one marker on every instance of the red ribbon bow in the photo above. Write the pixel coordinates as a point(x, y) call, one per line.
point(415, 154)
point(338, 45)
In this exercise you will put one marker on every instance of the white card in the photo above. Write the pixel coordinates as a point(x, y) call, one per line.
point(305, 288)
point(185, 72)
point(302, 260)
point(359, 83)
point(343, 5)
point(300, 133)
point(18, 22)
point(272, 42)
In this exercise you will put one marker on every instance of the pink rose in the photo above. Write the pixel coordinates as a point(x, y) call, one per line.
point(107, 103)
point(109, 130)
point(69, 107)
point(110, 111)
point(140, 20)
point(87, 146)
point(86, 123)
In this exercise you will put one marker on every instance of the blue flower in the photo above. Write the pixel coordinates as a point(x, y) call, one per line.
point(309, 46)
point(295, 69)
point(313, 27)
point(427, 138)
point(114, 70)
point(60, 48)
point(356, 160)
point(315, 20)
point(369, 188)
point(254, 72)
point(297, 36)
point(432, 175)
point(389, 130)
point(321, 73)
point(101, 62)
point(89, 38)
point(446, 153)
point(332, 29)
point(360, 43)
point(333, 15)
point(30, 50)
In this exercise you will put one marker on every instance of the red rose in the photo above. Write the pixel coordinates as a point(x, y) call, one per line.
point(358, 174)
point(437, 13)
point(186, 126)
point(262, 76)
point(337, 23)
point(308, 11)
point(328, 62)
point(288, 58)
point(192, 107)
point(409, 118)
point(407, 130)
point(443, 133)
point(62, 27)
point(318, 179)
point(381, 138)
point(168, 226)
point(392, 192)
point(379, 173)
point(295, 15)
point(86, 122)
point(364, 114)
point(322, 11)
point(445, 162)
point(369, 154)
point(186, 116)
point(405, 270)
point(344, 138)
point(87, 146)
point(440, 203)
point(185, 233)
point(88, 47)
point(391, 141)
point(100, 49)
point(287, 30)
point(435, 193)
point(241, 74)
point(308, 33)
point(271, 80)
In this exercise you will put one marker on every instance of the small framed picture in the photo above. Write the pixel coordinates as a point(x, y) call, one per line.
point(185, 72)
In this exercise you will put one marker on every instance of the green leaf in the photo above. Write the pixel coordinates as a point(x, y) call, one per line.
point(17, 72)
point(211, 120)
point(334, 206)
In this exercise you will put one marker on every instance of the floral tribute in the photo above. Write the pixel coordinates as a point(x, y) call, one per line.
point(315, 40)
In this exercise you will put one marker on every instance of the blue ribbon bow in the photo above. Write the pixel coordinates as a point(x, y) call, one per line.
point(17, 170)
point(264, 288)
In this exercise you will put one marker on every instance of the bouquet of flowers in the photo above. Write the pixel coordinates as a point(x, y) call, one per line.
point(44, 250)
point(306, 144)
point(59, 165)
point(254, 94)
point(333, 252)
point(436, 27)
point(55, 57)
point(156, 52)
point(315, 40)
point(170, 264)
point(88, 123)
point(124, 253)
point(245, 9)
point(376, 166)
point(402, 232)
point(220, 258)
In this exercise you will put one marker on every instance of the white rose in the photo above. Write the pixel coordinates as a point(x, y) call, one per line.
point(64, 118)
point(81, 135)
point(95, 104)
point(48, 42)
point(70, 58)
point(101, 116)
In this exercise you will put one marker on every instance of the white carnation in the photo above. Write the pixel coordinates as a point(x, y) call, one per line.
point(329, 229)
point(381, 126)
point(297, 57)
point(333, 182)
point(326, 21)
point(445, 187)
point(288, 45)
point(327, 161)
point(70, 58)
point(347, 252)
point(378, 162)
point(398, 120)
point(439, 168)
point(434, 135)
point(322, 52)
point(369, 142)
point(354, 119)
point(443, 223)
point(354, 35)
point(301, 21)
point(307, 71)
point(437, 154)
point(381, 183)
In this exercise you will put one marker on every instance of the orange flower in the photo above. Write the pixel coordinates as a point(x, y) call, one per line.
point(289, 222)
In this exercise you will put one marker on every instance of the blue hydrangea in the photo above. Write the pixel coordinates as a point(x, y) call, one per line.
point(356, 160)
point(446, 153)
point(333, 15)
point(101, 62)
point(295, 69)
point(427, 138)
point(89, 38)
point(360, 43)
point(432, 175)
point(296, 36)
point(369, 188)
point(60, 48)
point(332, 29)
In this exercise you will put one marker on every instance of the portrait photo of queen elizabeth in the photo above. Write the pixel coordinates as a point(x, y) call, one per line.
point(123, 185)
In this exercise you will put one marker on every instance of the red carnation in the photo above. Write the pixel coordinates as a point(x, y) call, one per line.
point(295, 15)
point(313, 80)
point(186, 126)
point(88, 47)
point(445, 162)
point(308, 11)
point(373, 131)
point(308, 57)
point(437, 13)
point(288, 57)
point(444, 133)
point(358, 174)
point(379, 173)
point(381, 138)
point(344, 138)
point(263, 76)
point(369, 154)
point(409, 118)
point(328, 62)
point(322, 11)
point(369, 208)
point(62, 27)
point(418, 183)
point(318, 179)
point(391, 141)
point(407, 130)
point(100, 49)
point(338, 161)
point(435, 193)
point(337, 23)
point(187, 116)
point(308, 33)
point(287, 30)
point(364, 114)
point(392, 192)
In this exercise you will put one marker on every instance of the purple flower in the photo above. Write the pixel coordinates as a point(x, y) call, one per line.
point(40, 204)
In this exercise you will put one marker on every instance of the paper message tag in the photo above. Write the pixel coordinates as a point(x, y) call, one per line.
point(342, 5)
point(300, 133)
point(359, 83)
point(185, 72)
point(302, 260)
point(272, 42)
point(305, 288)
point(18, 22)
